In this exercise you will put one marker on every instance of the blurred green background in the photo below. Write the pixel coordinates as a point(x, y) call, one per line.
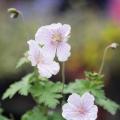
point(95, 24)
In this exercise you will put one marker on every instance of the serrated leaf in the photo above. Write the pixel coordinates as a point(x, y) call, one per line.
point(22, 87)
point(93, 76)
point(104, 102)
point(98, 93)
point(34, 114)
point(21, 62)
point(108, 105)
point(55, 116)
point(48, 93)
point(79, 86)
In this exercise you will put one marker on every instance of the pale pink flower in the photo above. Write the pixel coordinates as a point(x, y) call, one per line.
point(54, 37)
point(46, 66)
point(80, 107)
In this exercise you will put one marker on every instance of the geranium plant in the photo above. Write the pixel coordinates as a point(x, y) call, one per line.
point(46, 52)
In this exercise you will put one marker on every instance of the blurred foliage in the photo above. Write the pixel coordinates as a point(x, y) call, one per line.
point(1, 116)
point(90, 34)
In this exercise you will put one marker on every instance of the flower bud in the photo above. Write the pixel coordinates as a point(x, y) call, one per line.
point(114, 45)
point(14, 13)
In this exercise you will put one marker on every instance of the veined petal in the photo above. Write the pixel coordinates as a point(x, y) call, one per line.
point(76, 109)
point(68, 111)
point(74, 100)
point(87, 100)
point(44, 71)
point(43, 35)
point(34, 52)
point(48, 69)
point(66, 29)
point(93, 113)
point(63, 51)
point(54, 26)
point(49, 51)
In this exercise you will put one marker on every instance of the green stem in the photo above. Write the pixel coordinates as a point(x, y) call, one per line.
point(103, 59)
point(63, 76)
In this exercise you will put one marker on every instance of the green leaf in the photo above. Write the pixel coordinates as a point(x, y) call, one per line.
point(98, 93)
point(21, 62)
point(79, 86)
point(22, 87)
point(55, 116)
point(34, 114)
point(47, 93)
point(104, 102)
point(3, 118)
point(93, 76)
point(108, 105)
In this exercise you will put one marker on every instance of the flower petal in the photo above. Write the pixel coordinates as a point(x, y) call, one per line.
point(87, 100)
point(73, 109)
point(74, 100)
point(34, 52)
point(68, 111)
point(43, 35)
point(49, 69)
point(66, 29)
point(54, 67)
point(63, 51)
point(43, 71)
point(54, 26)
point(49, 51)
point(93, 113)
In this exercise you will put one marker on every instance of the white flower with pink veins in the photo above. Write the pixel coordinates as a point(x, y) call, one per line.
point(54, 37)
point(46, 66)
point(80, 107)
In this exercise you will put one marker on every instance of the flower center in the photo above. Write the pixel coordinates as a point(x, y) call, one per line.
point(82, 110)
point(57, 37)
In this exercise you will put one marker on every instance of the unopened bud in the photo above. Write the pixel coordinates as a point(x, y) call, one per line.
point(14, 13)
point(114, 45)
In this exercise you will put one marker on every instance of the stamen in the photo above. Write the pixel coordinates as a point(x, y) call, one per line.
point(57, 37)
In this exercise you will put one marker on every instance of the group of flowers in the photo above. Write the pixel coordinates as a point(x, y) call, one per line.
point(50, 42)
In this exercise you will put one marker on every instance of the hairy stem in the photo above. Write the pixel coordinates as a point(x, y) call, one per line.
point(103, 59)
point(63, 76)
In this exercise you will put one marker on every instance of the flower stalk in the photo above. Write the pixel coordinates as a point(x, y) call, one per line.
point(63, 76)
point(112, 46)
point(103, 59)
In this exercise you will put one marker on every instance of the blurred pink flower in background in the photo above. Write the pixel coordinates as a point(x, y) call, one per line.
point(114, 10)
point(54, 37)
point(80, 107)
point(46, 66)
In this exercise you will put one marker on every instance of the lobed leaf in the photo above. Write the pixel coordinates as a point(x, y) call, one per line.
point(21, 62)
point(34, 114)
point(22, 87)
point(48, 93)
